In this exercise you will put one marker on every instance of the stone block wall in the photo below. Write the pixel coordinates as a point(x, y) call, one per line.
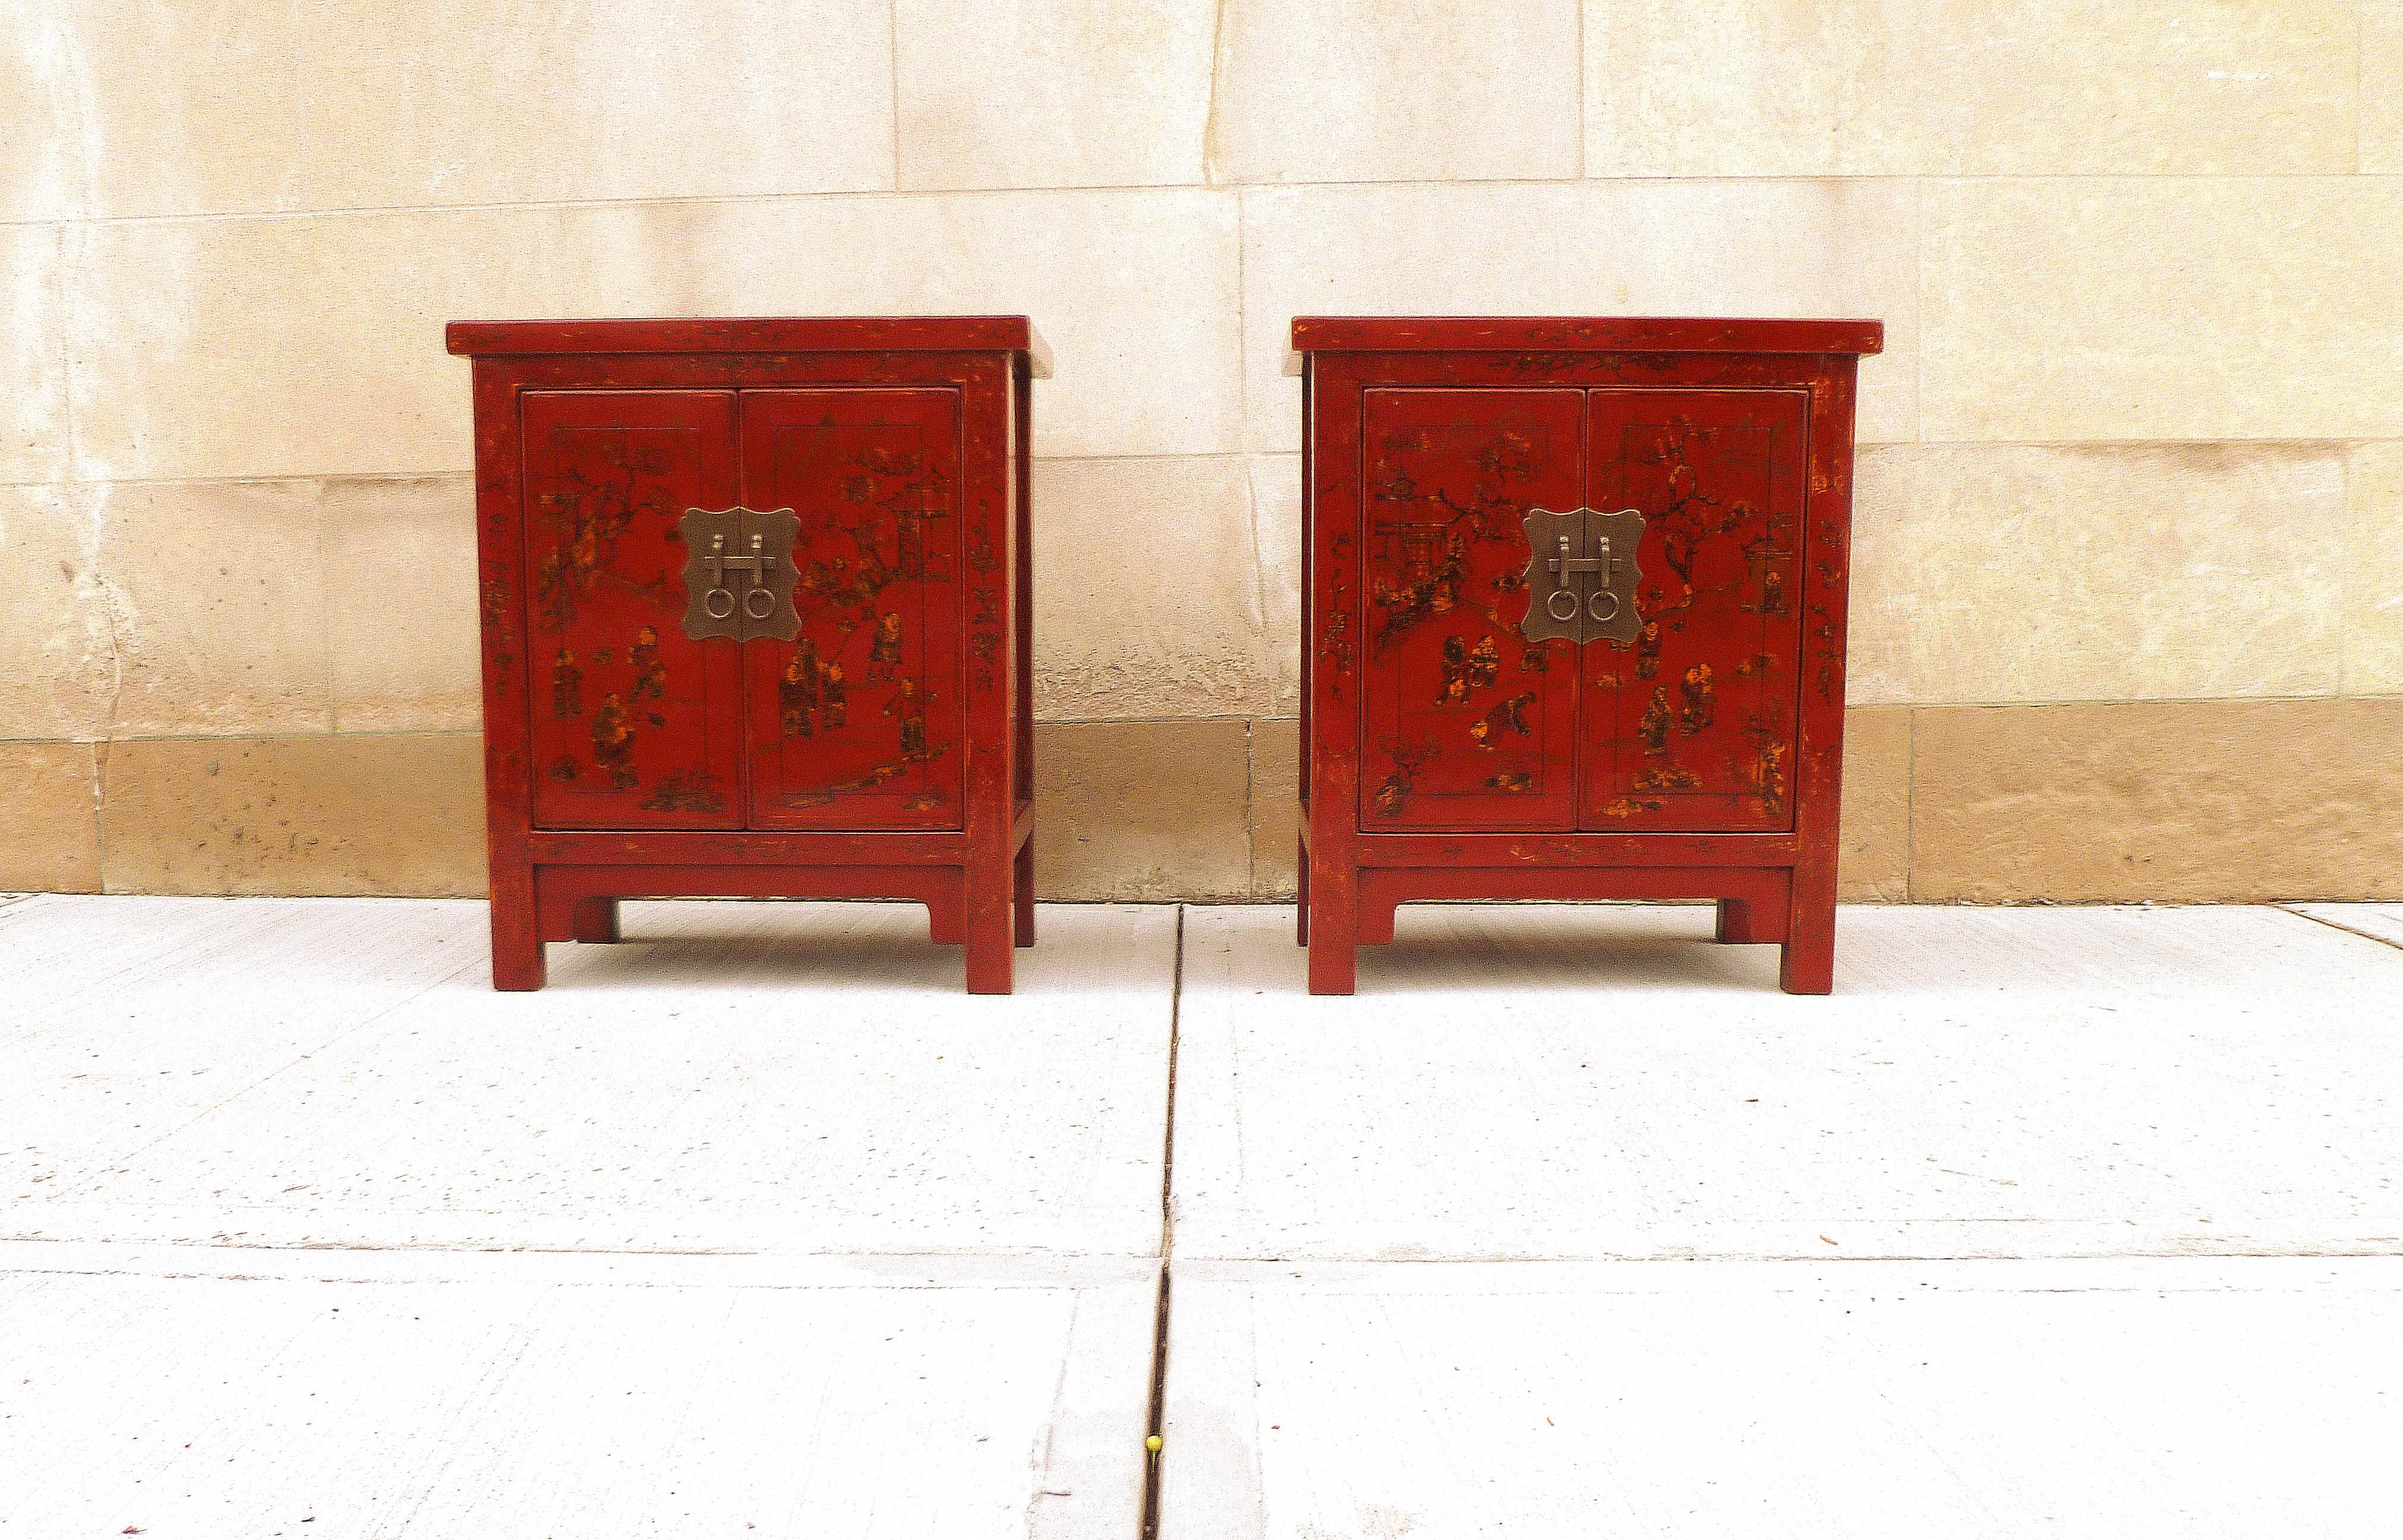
point(2130, 592)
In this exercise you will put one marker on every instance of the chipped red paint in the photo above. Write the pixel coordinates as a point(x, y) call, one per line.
point(1703, 760)
point(883, 752)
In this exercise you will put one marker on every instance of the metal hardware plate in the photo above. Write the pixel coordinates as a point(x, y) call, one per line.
point(1581, 576)
point(738, 574)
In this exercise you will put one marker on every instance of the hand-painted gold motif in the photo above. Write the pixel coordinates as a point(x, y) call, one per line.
point(1666, 777)
point(1701, 697)
point(1653, 727)
point(566, 686)
point(1508, 716)
point(884, 648)
point(796, 692)
point(613, 741)
point(685, 791)
point(908, 706)
point(650, 670)
point(1466, 669)
point(593, 516)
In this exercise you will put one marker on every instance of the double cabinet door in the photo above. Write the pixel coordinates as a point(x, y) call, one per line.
point(1687, 727)
point(856, 722)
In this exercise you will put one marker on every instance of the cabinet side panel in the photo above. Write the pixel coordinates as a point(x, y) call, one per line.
point(1332, 534)
point(1464, 725)
point(500, 598)
point(1826, 587)
point(1021, 614)
point(635, 724)
point(856, 723)
point(1309, 605)
point(1692, 725)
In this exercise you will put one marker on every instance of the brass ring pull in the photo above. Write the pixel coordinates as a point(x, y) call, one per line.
point(1582, 575)
point(738, 574)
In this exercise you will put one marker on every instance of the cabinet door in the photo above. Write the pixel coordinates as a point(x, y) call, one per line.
point(635, 725)
point(857, 722)
point(1464, 726)
point(1690, 728)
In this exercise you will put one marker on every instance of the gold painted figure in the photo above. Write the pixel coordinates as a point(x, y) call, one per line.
point(566, 686)
point(884, 648)
point(612, 743)
point(650, 671)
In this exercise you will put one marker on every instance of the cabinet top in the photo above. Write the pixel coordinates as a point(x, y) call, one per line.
point(1581, 333)
point(758, 334)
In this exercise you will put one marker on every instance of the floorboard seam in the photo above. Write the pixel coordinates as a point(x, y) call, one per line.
point(2319, 919)
point(1155, 1412)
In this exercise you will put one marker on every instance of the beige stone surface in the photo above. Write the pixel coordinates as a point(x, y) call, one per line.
point(2162, 87)
point(1276, 532)
point(1884, 88)
point(1052, 94)
point(1372, 91)
point(400, 606)
point(49, 833)
point(1148, 592)
point(1143, 810)
point(1873, 863)
point(2192, 801)
point(2136, 308)
point(217, 591)
point(1841, 249)
point(39, 173)
point(2382, 87)
point(373, 814)
point(1276, 805)
point(2373, 570)
point(32, 352)
point(313, 346)
point(219, 109)
point(1750, 87)
point(57, 664)
point(2002, 573)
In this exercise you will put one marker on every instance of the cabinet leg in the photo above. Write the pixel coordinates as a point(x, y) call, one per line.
point(1334, 933)
point(946, 921)
point(1022, 897)
point(517, 946)
point(1334, 966)
point(1300, 893)
point(1807, 964)
point(594, 920)
point(990, 949)
point(1743, 923)
point(990, 936)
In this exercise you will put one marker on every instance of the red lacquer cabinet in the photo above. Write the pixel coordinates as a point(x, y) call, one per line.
point(1573, 619)
point(754, 600)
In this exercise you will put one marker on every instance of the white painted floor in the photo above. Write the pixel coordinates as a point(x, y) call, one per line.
point(1556, 1081)
point(2237, 1397)
point(2075, 1222)
point(779, 1078)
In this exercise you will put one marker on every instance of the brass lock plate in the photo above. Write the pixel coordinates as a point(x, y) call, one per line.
point(738, 574)
point(1581, 576)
